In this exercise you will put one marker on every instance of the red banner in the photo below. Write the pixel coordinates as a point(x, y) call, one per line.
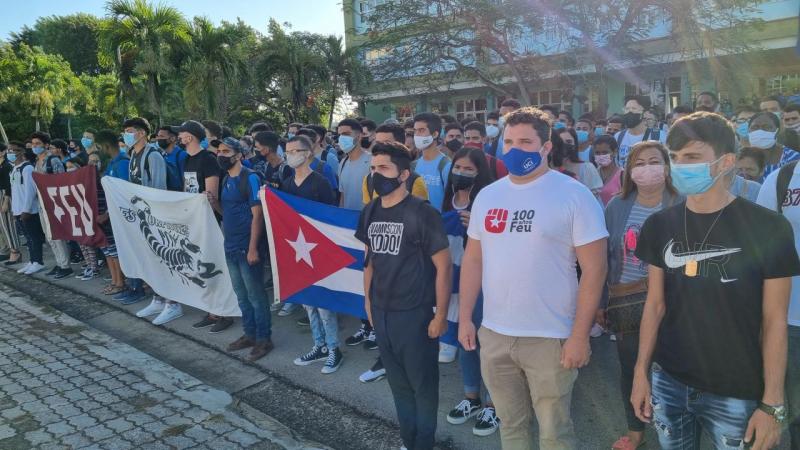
point(69, 202)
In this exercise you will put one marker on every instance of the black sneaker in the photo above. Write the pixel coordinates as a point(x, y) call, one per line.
point(487, 423)
point(76, 258)
point(53, 271)
point(221, 325)
point(464, 411)
point(316, 354)
point(357, 338)
point(206, 322)
point(333, 362)
point(63, 273)
point(370, 343)
point(304, 321)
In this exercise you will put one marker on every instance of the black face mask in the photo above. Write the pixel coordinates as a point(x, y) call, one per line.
point(225, 162)
point(365, 142)
point(630, 120)
point(385, 185)
point(462, 182)
point(163, 143)
point(454, 145)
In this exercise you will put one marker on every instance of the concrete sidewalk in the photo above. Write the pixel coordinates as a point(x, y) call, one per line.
point(597, 406)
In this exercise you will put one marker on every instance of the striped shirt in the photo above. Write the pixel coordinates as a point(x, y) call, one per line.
point(632, 268)
point(787, 155)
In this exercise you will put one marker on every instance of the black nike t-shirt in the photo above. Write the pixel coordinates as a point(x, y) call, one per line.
point(710, 335)
point(401, 241)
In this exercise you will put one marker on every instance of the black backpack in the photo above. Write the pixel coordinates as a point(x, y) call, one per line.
point(782, 185)
point(48, 163)
point(21, 168)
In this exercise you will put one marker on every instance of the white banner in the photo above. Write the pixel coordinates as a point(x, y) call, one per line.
point(172, 242)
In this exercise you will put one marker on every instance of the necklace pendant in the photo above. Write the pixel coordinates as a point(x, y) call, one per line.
point(691, 268)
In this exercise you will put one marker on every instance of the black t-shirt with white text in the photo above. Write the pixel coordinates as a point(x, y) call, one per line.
point(401, 241)
point(710, 336)
point(197, 168)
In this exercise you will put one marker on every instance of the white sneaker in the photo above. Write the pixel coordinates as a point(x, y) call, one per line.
point(33, 268)
point(171, 312)
point(155, 307)
point(597, 331)
point(287, 309)
point(24, 268)
point(447, 353)
point(372, 375)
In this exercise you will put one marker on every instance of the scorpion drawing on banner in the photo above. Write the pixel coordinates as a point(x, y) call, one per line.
point(176, 251)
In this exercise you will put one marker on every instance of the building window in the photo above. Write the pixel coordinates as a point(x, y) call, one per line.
point(786, 84)
point(363, 9)
point(471, 108)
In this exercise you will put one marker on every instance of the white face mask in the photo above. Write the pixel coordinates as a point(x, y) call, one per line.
point(795, 127)
point(423, 142)
point(762, 139)
point(295, 160)
point(492, 131)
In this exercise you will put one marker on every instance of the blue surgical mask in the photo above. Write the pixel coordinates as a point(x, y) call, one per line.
point(204, 144)
point(123, 150)
point(289, 135)
point(599, 131)
point(38, 150)
point(693, 179)
point(559, 125)
point(347, 143)
point(86, 142)
point(11, 157)
point(583, 136)
point(520, 163)
point(129, 139)
point(742, 130)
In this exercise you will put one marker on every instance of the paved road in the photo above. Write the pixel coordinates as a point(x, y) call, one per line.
point(66, 386)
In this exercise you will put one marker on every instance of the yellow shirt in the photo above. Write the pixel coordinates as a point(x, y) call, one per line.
point(418, 190)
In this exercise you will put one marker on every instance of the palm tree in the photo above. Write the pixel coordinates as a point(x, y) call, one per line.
point(344, 70)
point(213, 65)
point(137, 36)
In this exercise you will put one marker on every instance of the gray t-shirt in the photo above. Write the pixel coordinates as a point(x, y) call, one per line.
point(632, 268)
point(351, 179)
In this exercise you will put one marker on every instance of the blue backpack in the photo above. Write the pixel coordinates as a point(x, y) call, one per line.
point(174, 177)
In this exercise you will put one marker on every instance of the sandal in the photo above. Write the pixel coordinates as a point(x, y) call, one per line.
point(624, 443)
point(18, 259)
point(114, 290)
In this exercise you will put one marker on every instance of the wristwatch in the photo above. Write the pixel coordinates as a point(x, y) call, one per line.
point(777, 412)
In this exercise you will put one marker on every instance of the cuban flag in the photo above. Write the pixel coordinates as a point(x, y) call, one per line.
point(316, 258)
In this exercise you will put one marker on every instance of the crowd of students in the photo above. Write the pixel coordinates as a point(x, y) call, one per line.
point(649, 230)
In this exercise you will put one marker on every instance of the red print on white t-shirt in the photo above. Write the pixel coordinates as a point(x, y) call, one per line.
point(495, 221)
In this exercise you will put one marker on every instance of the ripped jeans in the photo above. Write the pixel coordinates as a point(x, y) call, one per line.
point(680, 412)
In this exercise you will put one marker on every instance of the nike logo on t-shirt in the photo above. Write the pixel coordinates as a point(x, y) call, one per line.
point(675, 260)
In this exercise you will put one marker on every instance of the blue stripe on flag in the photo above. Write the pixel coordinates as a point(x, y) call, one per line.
point(332, 215)
point(358, 255)
point(342, 302)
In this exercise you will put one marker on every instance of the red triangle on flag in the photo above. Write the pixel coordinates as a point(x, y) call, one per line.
point(303, 254)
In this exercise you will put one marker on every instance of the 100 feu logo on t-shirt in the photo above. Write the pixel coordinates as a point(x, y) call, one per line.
point(496, 221)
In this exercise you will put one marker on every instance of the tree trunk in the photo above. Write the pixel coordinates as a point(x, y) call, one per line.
point(38, 128)
point(333, 106)
point(69, 126)
point(3, 133)
point(154, 97)
point(602, 91)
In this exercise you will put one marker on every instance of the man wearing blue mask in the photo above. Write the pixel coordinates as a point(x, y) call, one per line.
point(635, 130)
point(586, 135)
point(525, 233)
point(762, 133)
point(48, 162)
point(88, 142)
point(713, 335)
point(355, 165)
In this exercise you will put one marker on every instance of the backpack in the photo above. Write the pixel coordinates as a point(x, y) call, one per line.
point(649, 134)
point(48, 163)
point(174, 178)
point(409, 184)
point(244, 182)
point(782, 185)
point(439, 167)
point(21, 168)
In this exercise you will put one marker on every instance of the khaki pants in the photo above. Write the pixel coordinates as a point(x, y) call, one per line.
point(525, 372)
point(60, 248)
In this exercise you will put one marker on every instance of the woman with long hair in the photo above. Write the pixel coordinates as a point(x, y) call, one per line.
point(646, 189)
point(468, 175)
point(565, 159)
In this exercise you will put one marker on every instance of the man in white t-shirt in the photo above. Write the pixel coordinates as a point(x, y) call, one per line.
point(525, 234)
point(635, 127)
point(790, 208)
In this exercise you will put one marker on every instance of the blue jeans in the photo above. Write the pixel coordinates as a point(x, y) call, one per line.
point(470, 362)
point(248, 285)
point(324, 327)
point(681, 411)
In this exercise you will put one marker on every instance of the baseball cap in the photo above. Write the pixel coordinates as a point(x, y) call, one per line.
point(194, 128)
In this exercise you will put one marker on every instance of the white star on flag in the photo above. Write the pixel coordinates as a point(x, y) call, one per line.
point(302, 249)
